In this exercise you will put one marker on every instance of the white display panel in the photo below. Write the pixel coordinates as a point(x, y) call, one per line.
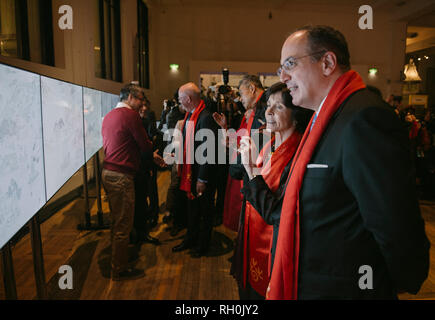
point(115, 100)
point(108, 102)
point(62, 114)
point(22, 186)
point(93, 119)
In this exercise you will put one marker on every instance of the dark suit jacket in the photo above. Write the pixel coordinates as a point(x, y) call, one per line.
point(206, 171)
point(362, 209)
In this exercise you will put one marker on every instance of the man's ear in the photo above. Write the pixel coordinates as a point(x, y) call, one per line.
point(329, 63)
point(252, 88)
point(129, 98)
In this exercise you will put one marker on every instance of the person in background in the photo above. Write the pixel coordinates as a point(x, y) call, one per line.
point(148, 117)
point(165, 111)
point(175, 202)
point(254, 100)
point(144, 182)
point(425, 151)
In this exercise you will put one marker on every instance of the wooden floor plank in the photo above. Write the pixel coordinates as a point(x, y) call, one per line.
point(168, 275)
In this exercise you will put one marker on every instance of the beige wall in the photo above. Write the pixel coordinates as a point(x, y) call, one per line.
point(246, 40)
point(206, 38)
point(74, 49)
point(203, 38)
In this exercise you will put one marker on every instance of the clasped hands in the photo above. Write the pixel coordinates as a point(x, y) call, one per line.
point(158, 160)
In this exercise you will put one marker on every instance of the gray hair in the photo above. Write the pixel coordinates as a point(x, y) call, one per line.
point(251, 79)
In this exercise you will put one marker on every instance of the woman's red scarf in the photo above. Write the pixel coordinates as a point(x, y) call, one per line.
point(284, 280)
point(257, 233)
point(185, 169)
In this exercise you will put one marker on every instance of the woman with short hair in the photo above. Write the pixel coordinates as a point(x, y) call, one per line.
point(263, 192)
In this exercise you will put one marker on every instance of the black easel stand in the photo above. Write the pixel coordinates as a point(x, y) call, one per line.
point(38, 261)
point(87, 225)
point(98, 187)
point(8, 273)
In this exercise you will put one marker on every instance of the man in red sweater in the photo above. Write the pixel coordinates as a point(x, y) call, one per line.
point(124, 138)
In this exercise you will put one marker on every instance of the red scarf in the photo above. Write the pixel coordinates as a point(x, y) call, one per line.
point(257, 233)
point(185, 169)
point(252, 116)
point(233, 196)
point(284, 280)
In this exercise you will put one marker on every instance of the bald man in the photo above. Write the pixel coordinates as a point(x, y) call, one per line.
point(198, 178)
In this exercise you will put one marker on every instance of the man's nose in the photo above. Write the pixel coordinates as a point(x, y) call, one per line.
point(284, 76)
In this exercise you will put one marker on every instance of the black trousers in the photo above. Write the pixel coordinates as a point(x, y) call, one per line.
point(176, 201)
point(153, 194)
point(141, 207)
point(221, 186)
point(200, 220)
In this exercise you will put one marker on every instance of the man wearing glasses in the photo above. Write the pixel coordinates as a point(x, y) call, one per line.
point(350, 225)
point(124, 138)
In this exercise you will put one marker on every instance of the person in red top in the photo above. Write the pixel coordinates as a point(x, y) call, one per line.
point(124, 138)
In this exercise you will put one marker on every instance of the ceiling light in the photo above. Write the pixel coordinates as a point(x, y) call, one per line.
point(373, 71)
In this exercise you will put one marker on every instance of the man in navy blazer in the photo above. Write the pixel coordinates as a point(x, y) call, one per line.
point(361, 231)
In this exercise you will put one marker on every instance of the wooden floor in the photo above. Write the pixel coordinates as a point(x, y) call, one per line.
point(169, 276)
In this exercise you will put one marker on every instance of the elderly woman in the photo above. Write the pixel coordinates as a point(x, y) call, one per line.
point(263, 192)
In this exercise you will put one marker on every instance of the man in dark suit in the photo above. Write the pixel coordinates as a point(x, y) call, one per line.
point(198, 176)
point(350, 226)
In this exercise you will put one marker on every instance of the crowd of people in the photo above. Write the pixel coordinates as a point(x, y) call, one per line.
point(317, 178)
point(421, 131)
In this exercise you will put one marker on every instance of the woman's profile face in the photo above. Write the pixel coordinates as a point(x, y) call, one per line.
point(142, 111)
point(278, 116)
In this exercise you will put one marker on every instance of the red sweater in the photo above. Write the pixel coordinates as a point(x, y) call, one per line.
point(124, 138)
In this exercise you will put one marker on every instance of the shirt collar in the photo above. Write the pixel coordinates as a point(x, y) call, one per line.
point(122, 105)
point(321, 105)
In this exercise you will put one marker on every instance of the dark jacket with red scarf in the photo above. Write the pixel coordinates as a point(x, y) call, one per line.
point(362, 209)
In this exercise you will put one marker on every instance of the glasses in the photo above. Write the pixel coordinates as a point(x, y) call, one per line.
point(290, 62)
